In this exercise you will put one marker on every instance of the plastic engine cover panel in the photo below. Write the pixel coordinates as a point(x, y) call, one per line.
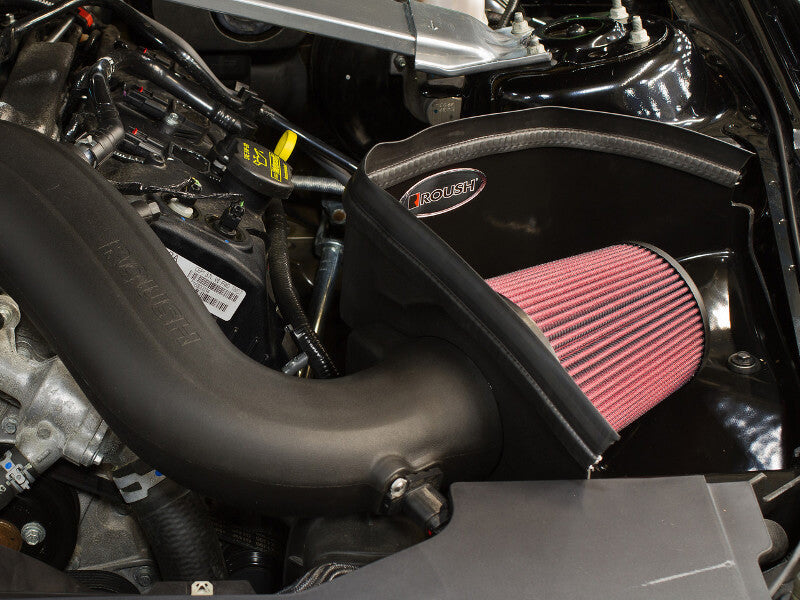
point(627, 538)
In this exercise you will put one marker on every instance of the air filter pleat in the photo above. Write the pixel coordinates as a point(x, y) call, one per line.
point(622, 320)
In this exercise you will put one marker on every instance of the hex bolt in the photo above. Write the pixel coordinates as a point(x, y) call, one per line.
point(144, 576)
point(638, 36)
point(744, 363)
point(10, 425)
point(618, 12)
point(172, 119)
point(398, 488)
point(33, 533)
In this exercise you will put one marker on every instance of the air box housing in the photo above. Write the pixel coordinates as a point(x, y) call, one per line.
point(433, 217)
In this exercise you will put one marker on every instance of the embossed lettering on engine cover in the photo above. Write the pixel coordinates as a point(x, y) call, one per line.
point(160, 303)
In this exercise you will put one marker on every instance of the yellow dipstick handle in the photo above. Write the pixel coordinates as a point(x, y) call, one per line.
point(286, 144)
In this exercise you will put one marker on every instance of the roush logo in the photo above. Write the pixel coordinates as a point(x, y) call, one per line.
point(443, 192)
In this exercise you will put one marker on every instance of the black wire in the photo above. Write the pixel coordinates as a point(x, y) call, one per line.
point(286, 295)
point(780, 138)
point(180, 51)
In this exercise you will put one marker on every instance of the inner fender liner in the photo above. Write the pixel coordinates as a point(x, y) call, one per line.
point(103, 290)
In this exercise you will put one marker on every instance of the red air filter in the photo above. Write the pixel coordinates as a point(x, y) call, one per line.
point(625, 322)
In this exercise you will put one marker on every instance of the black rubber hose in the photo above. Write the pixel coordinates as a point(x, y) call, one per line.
point(189, 93)
point(101, 142)
point(154, 32)
point(322, 185)
point(286, 294)
point(180, 51)
point(101, 287)
point(177, 526)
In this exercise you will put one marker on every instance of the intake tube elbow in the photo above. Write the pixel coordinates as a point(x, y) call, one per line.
point(102, 289)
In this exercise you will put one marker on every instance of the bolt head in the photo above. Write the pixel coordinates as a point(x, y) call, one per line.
point(172, 118)
point(144, 576)
point(33, 533)
point(743, 358)
point(618, 12)
point(400, 62)
point(10, 425)
point(398, 488)
point(744, 363)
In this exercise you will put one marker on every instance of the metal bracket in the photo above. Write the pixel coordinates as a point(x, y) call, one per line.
point(442, 41)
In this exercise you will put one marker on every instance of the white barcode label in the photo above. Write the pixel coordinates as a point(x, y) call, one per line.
point(221, 297)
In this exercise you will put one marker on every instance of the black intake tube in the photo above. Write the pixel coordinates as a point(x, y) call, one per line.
point(100, 286)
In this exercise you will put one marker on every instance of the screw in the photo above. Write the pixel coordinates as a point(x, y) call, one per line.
point(744, 363)
point(339, 216)
point(398, 488)
point(400, 62)
point(618, 12)
point(33, 533)
point(144, 576)
point(172, 119)
point(10, 425)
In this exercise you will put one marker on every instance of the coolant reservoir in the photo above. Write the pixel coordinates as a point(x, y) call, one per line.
point(474, 8)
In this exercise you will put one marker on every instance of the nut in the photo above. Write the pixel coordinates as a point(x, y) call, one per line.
point(638, 35)
point(618, 12)
point(519, 26)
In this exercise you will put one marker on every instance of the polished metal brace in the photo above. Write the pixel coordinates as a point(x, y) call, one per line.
point(442, 41)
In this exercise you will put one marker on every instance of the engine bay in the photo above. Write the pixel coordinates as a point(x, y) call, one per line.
point(284, 288)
